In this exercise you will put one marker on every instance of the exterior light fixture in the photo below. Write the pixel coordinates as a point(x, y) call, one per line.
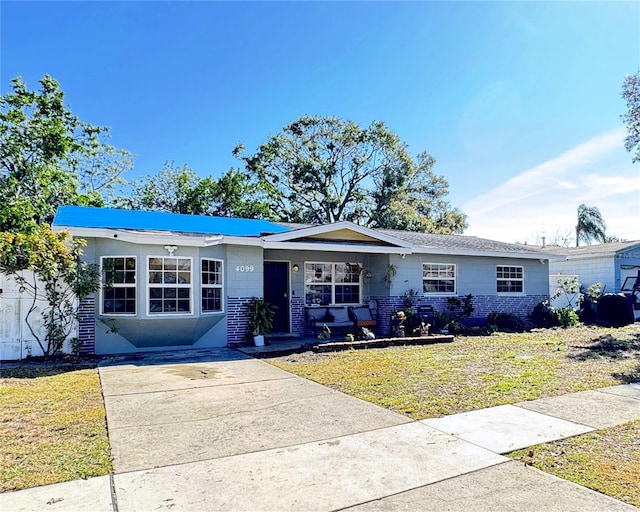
point(295, 267)
point(170, 249)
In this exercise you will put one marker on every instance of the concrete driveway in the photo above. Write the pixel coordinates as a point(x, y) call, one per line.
point(216, 430)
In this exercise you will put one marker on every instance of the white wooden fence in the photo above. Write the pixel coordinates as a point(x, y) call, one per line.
point(16, 340)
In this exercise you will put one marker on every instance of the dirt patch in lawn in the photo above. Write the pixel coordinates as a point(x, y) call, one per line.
point(52, 425)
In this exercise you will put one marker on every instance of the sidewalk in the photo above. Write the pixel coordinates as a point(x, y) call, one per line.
point(219, 431)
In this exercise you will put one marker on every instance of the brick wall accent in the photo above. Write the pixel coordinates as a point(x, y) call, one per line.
point(387, 306)
point(483, 304)
point(87, 325)
point(298, 315)
point(237, 320)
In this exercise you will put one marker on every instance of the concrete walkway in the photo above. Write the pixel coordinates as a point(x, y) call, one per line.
point(217, 430)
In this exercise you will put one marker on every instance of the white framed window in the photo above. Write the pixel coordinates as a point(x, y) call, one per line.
point(439, 278)
point(169, 285)
point(212, 281)
point(332, 283)
point(509, 279)
point(118, 274)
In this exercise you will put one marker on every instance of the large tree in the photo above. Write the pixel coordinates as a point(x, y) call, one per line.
point(49, 157)
point(45, 153)
point(325, 169)
point(590, 225)
point(180, 190)
point(631, 94)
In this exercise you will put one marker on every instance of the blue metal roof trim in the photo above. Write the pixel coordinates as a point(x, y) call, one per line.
point(110, 218)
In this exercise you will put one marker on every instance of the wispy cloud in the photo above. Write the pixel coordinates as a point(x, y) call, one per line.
point(598, 172)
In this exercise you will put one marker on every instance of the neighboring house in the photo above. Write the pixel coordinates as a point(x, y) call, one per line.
point(180, 281)
point(610, 264)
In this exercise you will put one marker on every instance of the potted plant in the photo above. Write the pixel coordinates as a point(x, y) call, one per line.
point(261, 314)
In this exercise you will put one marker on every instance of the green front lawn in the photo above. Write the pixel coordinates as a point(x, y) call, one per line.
point(477, 372)
point(607, 460)
point(52, 425)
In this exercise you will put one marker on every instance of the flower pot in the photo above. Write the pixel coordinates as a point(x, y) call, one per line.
point(258, 340)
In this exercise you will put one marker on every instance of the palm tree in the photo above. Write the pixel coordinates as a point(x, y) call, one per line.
point(591, 225)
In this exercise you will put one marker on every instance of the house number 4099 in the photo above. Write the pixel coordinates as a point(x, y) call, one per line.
point(244, 268)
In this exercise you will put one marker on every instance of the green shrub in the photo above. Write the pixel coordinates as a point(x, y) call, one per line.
point(543, 315)
point(566, 317)
point(508, 322)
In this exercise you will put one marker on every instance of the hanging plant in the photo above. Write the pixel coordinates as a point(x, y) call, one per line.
point(390, 273)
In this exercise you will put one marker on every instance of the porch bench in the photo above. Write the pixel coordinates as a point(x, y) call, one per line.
point(331, 316)
point(362, 317)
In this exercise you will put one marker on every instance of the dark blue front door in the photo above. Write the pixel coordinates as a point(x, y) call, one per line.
point(276, 291)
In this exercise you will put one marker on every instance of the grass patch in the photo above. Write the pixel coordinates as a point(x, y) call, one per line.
point(52, 425)
point(477, 372)
point(606, 460)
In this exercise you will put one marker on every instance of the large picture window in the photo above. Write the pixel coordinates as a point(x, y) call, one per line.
point(333, 283)
point(211, 285)
point(169, 285)
point(509, 279)
point(439, 278)
point(118, 285)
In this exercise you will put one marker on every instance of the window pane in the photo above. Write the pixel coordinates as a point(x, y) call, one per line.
point(348, 272)
point(438, 278)
point(318, 294)
point(211, 299)
point(318, 273)
point(118, 285)
point(130, 276)
point(438, 286)
point(510, 279)
point(347, 294)
point(112, 302)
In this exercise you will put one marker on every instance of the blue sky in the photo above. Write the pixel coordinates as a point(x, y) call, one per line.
point(519, 102)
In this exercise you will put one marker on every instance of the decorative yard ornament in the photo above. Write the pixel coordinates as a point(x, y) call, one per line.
point(325, 335)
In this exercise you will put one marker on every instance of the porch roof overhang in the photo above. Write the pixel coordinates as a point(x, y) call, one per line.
point(337, 247)
point(341, 236)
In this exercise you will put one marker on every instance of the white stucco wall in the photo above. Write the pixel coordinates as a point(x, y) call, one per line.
point(589, 271)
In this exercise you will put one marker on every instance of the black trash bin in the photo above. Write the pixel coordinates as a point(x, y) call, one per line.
point(614, 310)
